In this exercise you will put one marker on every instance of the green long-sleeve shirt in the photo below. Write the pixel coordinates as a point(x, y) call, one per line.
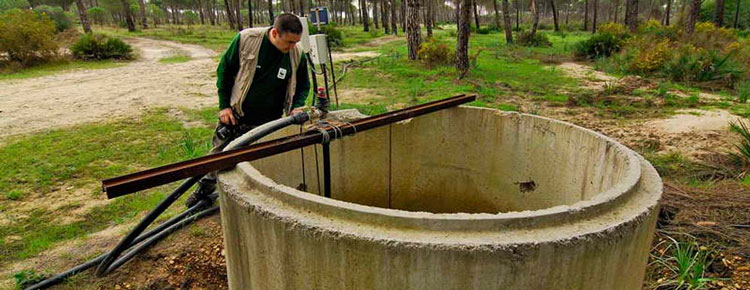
point(265, 98)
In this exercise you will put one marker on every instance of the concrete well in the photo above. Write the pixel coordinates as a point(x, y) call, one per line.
point(465, 198)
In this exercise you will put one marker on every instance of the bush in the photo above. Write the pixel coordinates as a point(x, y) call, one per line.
point(599, 45)
point(651, 57)
point(615, 29)
point(434, 52)
point(62, 21)
point(333, 34)
point(97, 46)
point(27, 38)
point(483, 30)
point(13, 4)
point(690, 63)
point(539, 39)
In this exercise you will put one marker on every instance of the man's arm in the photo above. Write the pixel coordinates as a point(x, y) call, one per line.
point(303, 84)
point(228, 68)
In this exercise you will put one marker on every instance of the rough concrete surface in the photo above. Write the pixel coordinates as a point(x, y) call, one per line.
point(465, 198)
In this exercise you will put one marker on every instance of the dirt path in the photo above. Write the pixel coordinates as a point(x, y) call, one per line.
point(62, 100)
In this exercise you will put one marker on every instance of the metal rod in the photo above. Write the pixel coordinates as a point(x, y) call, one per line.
point(327, 169)
point(333, 72)
point(325, 81)
point(314, 77)
point(134, 182)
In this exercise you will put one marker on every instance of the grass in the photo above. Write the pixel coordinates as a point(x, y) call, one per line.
point(57, 67)
point(687, 262)
point(175, 59)
point(33, 166)
point(496, 76)
point(216, 38)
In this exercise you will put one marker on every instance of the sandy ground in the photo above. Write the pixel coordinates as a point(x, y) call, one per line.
point(62, 100)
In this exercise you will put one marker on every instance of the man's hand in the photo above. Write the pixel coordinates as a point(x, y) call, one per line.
point(226, 117)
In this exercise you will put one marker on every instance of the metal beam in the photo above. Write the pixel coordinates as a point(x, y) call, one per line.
point(126, 184)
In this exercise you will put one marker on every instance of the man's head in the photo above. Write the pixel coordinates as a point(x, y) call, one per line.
point(286, 32)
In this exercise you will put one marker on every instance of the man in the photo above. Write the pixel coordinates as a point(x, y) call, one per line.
point(261, 75)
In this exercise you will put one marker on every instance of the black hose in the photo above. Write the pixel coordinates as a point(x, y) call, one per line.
point(90, 263)
point(109, 261)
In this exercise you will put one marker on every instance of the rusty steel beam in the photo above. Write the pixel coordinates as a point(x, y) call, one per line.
point(126, 184)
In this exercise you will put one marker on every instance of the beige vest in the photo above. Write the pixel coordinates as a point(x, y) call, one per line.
point(250, 41)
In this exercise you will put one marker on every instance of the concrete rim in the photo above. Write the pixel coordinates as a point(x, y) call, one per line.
point(596, 205)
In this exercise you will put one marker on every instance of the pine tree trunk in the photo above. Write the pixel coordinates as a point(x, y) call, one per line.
point(365, 16)
point(375, 14)
point(535, 14)
point(517, 4)
point(631, 14)
point(737, 15)
point(586, 15)
point(476, 13)
point(462, 41)
point(668, 13)
point(250, 13)
point(596, 11)
point(615, 10)
point(497, 14)
point(239, 14)
point(128, 16)
point(270, 12)
point(200, 12)
point(230, 17)
point(394, 27)
point(426, 17)
point(554, 15)
point(384, 16)
point(506, 20)
point(403, 16)
point(719, 13)
point(84, 17)
point(142, 11)
point(695, 7)
point(413, 37)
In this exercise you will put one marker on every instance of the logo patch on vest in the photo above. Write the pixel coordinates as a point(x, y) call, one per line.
point(282, 73)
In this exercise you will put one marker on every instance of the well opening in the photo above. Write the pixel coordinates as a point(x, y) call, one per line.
point(461, 161)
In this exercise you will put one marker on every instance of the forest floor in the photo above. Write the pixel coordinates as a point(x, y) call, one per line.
point(161, 109)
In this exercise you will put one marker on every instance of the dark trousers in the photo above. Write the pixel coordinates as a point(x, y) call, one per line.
point(223, 135)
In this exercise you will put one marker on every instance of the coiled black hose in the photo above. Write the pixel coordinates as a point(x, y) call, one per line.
point(110, 261)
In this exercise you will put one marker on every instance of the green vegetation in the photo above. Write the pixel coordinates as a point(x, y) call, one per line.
point(742, 156)
point(500, 73)
point(27, 278)
point(709, 57)
point(33, 165)
point(26, 38)
point(98, 46)
point(687, 263)
point(175, 59)
point(216, 38)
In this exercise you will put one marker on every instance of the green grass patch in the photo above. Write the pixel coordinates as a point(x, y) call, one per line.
point(81, 156)
point(216, 38)
point(175, 59)
point(57, 67)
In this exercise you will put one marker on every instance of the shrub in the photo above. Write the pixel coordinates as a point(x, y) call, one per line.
point(433, 53)
point(483, 30)
point(539, 39)
point(650, 26)
point(13, 4)
point(743, 92)
point(27, 38)
point(333, 34)
point(651, 57)
point(599, 45)
point(690, 63)
point(615, 29)
point(97, 46)
point(62, 21)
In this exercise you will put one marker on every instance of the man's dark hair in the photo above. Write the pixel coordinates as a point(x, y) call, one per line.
point(287, 22)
